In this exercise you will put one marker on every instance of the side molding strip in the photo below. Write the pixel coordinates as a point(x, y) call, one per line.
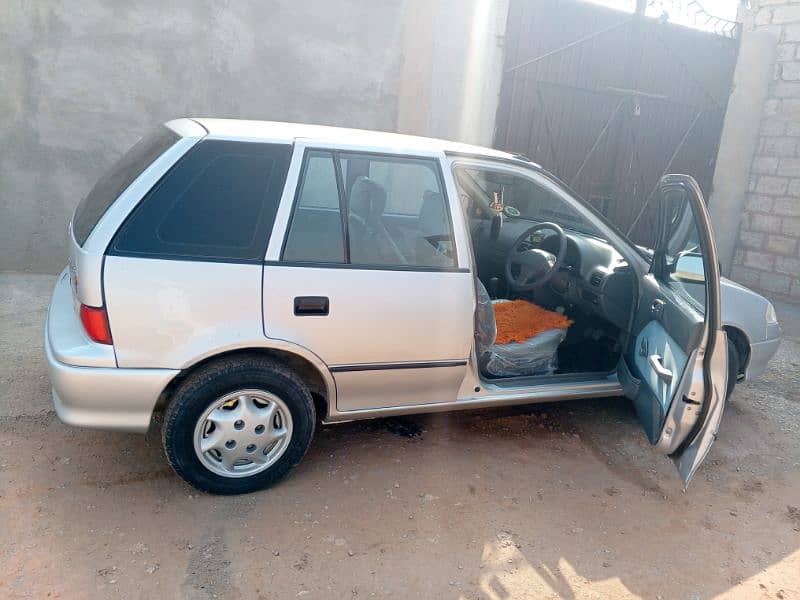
point(389, 366)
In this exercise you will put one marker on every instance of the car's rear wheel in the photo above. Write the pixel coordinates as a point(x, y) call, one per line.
point(238, 425)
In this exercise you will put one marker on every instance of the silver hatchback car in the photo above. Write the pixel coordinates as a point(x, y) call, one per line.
point(247, 277)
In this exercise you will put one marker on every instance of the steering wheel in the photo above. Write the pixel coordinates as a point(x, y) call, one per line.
point(533, 266)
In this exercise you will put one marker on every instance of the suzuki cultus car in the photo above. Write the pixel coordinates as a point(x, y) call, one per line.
point(248, 279)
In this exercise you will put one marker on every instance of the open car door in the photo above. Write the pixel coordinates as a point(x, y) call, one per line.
point(674, 366)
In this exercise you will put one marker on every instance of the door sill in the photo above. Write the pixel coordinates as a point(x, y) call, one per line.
point(527, 381)
point(551, 388)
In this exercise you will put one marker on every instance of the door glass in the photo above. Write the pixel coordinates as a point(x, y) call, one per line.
point(396, 212)
point(682, 268)
point(315, 234)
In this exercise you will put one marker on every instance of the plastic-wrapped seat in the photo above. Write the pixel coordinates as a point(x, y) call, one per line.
point(535, 356)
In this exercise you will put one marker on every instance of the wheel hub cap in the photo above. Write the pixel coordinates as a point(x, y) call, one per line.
point(243, 433)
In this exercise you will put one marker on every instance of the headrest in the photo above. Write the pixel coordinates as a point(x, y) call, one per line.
point(367, 198)
point(431, 214)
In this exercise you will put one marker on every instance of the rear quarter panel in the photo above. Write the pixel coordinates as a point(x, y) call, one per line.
point(172, 313)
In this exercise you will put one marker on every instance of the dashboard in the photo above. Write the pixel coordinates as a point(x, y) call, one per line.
point(594, 277)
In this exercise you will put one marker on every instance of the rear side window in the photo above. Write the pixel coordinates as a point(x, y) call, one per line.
point(218, 203)
point(118, 178)
point(390, 212)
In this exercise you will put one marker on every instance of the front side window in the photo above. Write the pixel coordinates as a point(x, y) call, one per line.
point(217, 203)
point(392, 211)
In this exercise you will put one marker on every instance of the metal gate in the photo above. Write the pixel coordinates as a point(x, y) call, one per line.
point(610, 101)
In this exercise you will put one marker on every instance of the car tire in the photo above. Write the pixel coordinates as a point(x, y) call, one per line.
point(733, 369)
point(267, 395)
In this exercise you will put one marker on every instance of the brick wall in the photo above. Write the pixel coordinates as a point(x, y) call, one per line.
point(768, 253)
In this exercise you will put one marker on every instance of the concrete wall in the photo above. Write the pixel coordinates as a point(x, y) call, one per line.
point(81, 81)
point(452, 69)
point(767, 255)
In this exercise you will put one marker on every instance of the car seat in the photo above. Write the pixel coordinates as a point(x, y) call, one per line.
point(535, 356)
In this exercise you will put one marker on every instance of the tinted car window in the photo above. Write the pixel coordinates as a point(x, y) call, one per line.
point(315, 233)
point(118, 178)
point(217, 203)
point(397, 212)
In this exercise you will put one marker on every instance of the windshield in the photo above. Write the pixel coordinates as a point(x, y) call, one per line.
point(518, 197)
point(117, 179)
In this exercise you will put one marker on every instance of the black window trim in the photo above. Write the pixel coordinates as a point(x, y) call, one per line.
point(259, 260)
point(344, 206)
point(335, 154)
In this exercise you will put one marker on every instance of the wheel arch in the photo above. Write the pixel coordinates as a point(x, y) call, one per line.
point(307, 365)
point(741, 342)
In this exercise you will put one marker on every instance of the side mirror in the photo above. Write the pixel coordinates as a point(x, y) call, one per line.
point(689, 268)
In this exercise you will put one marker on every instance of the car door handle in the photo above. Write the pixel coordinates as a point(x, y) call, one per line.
point(311, 305)
point(663, 373)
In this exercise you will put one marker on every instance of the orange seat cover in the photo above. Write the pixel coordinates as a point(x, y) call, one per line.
point(519, 320)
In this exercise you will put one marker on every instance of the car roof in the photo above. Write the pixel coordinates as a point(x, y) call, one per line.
point(289, 132)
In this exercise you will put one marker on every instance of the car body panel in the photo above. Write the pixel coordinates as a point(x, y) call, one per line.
point(693, 420)
point(745, 311)
point(64, 326)
point(489, 396)
point(375, 316)
point(398, 385)
point(380, 318)
point(689, 459)
point(88, 388)
point(760, 355)
point(171, 313)
point(340, 137)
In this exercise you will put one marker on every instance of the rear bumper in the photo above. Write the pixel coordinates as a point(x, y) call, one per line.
point(88, 395)
point(760, 355)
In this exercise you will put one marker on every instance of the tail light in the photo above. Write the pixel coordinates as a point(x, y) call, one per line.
point(95, 322)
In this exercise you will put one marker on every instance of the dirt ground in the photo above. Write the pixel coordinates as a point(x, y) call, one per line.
point(548, 501)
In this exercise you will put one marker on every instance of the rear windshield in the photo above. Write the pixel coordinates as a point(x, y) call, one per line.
point(118, 178)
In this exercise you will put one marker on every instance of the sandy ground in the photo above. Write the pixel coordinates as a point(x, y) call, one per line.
point(548, 501)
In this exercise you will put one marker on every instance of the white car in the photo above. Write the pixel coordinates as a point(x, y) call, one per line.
point(248, 277)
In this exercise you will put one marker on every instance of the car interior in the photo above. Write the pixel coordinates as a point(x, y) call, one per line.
point(531, 246)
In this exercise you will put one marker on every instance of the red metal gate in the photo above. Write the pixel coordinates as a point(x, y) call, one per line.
point(609, 101)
